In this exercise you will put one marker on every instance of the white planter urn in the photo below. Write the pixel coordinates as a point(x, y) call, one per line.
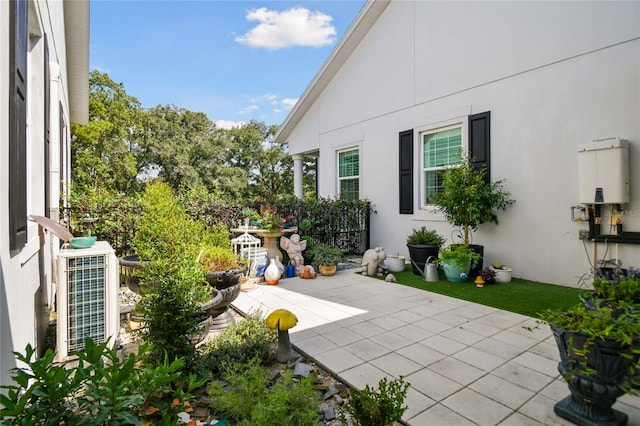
point(503, 275)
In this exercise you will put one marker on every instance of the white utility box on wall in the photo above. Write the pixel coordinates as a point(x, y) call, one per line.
point(603, 171)
point(87, 297)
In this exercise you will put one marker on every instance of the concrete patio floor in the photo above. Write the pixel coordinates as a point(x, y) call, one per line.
point(467, 364)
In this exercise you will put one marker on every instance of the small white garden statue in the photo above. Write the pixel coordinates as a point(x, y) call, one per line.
point(371, 261)
point(294, 248)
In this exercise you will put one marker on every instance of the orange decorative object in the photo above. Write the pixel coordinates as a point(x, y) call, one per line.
point(307, 274)
point(479, 281)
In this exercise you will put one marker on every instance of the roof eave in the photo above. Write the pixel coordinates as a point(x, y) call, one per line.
point(76, 21)
point(368, 15)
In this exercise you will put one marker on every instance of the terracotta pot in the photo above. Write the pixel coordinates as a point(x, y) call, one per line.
point(328, 270)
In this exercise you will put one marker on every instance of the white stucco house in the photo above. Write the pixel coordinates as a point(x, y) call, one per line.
point(524, 84)
point(44, 87)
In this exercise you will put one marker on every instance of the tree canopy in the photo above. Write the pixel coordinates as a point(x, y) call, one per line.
point(124, 144)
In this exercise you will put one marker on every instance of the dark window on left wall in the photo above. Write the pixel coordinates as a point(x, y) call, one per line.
point(18, 44)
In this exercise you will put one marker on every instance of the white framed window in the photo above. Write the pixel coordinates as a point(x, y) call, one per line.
point(440, 148)
point(349, 174)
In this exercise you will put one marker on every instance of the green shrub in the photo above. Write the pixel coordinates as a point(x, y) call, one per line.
point(101, 390)
point(378, 408)
point(239, 343)
point(256, 400)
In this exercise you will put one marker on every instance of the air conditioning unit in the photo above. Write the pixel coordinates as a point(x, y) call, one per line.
point(87, 297)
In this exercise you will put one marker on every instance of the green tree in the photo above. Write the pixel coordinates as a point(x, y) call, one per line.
point(267, 166)
point(104, 151)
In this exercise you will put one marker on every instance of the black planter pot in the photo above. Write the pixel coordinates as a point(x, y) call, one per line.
point(419, 254)
point(228, 285)
point(475, 270)
point(592, 394)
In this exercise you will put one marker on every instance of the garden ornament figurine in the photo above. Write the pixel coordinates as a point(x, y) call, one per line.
point(282, 320)
point(294, 248)
point(371, 261)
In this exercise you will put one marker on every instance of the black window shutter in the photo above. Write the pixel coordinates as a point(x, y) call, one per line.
point(406, 172)
point(18, 124)
point(480, 140)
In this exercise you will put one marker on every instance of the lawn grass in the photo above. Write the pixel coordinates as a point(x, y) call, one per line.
point(520, 296)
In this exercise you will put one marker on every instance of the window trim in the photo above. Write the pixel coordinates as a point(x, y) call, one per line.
point(461, 122)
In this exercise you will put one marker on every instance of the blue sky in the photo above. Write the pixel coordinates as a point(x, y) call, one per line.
point(233, 60)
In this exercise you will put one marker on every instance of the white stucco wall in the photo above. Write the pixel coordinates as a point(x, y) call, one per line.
point(26, 288)
point(553, 74)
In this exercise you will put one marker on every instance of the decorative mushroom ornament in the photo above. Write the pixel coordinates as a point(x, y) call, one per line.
point(282, 320)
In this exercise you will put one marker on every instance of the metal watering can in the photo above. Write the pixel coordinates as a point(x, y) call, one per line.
point(431, 270)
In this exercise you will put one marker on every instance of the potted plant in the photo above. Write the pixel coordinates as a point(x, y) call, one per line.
point(456, 260)
point(327, 258)
point(598, 348)
point(612, 286)
point(502, 273)
point(422, 244)
point(488, 275)
point(468, 200)
point(223, 270)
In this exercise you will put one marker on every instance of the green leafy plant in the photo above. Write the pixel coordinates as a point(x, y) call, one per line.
point(214, 258)
point(256, 400)
point(101, 390)
point(617, 285)
point(170, 307)
point(458, 254)
point(380, 407)
point(468, 200)
point(248, 212)
point(326, 255)
point(240, 342)
point(425, 236)
point(271, 221)
point(589, 327)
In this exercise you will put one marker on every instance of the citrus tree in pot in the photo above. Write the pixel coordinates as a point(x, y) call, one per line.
point(468, 200)
point(422, 244)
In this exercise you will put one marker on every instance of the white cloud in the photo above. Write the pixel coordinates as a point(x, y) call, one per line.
point(248, 109)
point(228, 124)
point(289, 102)
point(293, 27)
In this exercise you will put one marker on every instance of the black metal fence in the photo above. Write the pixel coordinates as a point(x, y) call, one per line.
point(338, 223)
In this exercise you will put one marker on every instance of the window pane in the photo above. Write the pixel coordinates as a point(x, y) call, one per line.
point(433, 184)
point(442, 148)
point(349, 189)
point(349, 163)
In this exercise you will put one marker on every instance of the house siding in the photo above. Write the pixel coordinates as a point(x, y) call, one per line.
point(554, 75)
point(26, 275)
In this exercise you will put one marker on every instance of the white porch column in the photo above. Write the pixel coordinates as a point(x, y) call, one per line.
point(297, 175)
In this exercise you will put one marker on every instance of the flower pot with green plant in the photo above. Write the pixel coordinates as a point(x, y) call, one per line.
point(468, 200)
point(327, 258)
point(612, 286)
point(223, 270)
point(597, 347)
point(456, 260)
point(423, 243)
point(503, 273)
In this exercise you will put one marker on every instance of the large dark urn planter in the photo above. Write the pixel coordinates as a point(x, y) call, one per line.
point(228, 285)
point(593, 394)
point(131, 264)
point(419, 253)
